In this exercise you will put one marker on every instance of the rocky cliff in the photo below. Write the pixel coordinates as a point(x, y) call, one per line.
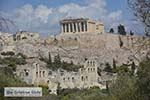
point(79, 47)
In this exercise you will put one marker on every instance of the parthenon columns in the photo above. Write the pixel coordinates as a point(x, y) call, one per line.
point(72, 27)
point(76, 26)
point(69, 27)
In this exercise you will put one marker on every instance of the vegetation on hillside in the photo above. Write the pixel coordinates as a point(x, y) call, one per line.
point(13, 60)
point(8, 79)
point(126, 87)
point(57, 63)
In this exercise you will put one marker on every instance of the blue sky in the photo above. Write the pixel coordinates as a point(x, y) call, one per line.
point(43, 16)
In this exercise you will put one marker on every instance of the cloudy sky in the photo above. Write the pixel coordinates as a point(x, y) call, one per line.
point(43, 16)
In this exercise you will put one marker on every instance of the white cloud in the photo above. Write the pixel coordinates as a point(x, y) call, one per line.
point(42, 12)
point(28, 13)
point(46, 20)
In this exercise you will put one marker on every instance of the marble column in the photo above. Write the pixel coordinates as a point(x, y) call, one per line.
point(84, 26)
point(80, 26)
point(65, 27)
point(73, 27)
point(76, 27)
point(69, 27)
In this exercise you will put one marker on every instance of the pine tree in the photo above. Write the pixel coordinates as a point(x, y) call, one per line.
point(131, 33)
point(111, 30)
point(114, 65)
point(57, 61)
point(108, 67)
point(49, 58)
point(49, 62)
point(133, 66)
point(121, 30)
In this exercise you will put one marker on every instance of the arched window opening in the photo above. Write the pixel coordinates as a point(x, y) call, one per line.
point(72, 78)
point(93, 69)
point(27, 74)
point(88, 69)
point(82, 78)
point(63, 79)
point(40, 73)
point(43, 73)
point(36, 74)
point(86, 77)
point(91, 63)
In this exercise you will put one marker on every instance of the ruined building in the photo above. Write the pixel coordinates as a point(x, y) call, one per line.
point(36, 73)
point(81, 25)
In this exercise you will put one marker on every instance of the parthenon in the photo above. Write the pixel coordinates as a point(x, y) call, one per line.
point(81, 25)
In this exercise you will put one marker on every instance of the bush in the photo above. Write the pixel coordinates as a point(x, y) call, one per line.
point(7, 78)
point(58, 64)
point(22, 55)
point(9, 53)
point(108, 68)
point(45, 90)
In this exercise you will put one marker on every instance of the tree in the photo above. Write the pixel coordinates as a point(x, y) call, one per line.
point(133, 66)
point(131, 33)
point(8, 78)
point(143, 75)
point(124, 88)
point(108, 67)
point(55, 41)
point(111, 30)
point(49, 62)
point(57, 61)
point(141, 10)
point(49, 58)
point(114, 65)
point(120, 42)
point(123, 69)
point(121, 30)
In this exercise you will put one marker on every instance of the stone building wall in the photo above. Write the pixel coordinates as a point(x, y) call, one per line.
point(27, 36)
point(36, 73)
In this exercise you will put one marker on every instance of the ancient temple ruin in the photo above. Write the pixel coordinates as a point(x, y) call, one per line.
point(81, 25)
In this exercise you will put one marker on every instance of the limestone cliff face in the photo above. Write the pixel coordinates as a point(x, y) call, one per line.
point(78, 47)
point(106, 47)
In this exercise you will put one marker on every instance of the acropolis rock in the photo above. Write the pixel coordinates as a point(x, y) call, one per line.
point(81, 41)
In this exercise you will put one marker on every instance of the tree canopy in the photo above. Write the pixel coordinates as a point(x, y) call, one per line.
point(121, 30)
point(141, 10)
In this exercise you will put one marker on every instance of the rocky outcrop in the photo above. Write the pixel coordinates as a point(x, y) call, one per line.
point(79, 47)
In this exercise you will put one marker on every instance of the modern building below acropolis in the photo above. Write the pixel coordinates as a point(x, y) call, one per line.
point(81, 25)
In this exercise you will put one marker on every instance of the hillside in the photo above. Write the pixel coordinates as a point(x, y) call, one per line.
point(78, 47)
